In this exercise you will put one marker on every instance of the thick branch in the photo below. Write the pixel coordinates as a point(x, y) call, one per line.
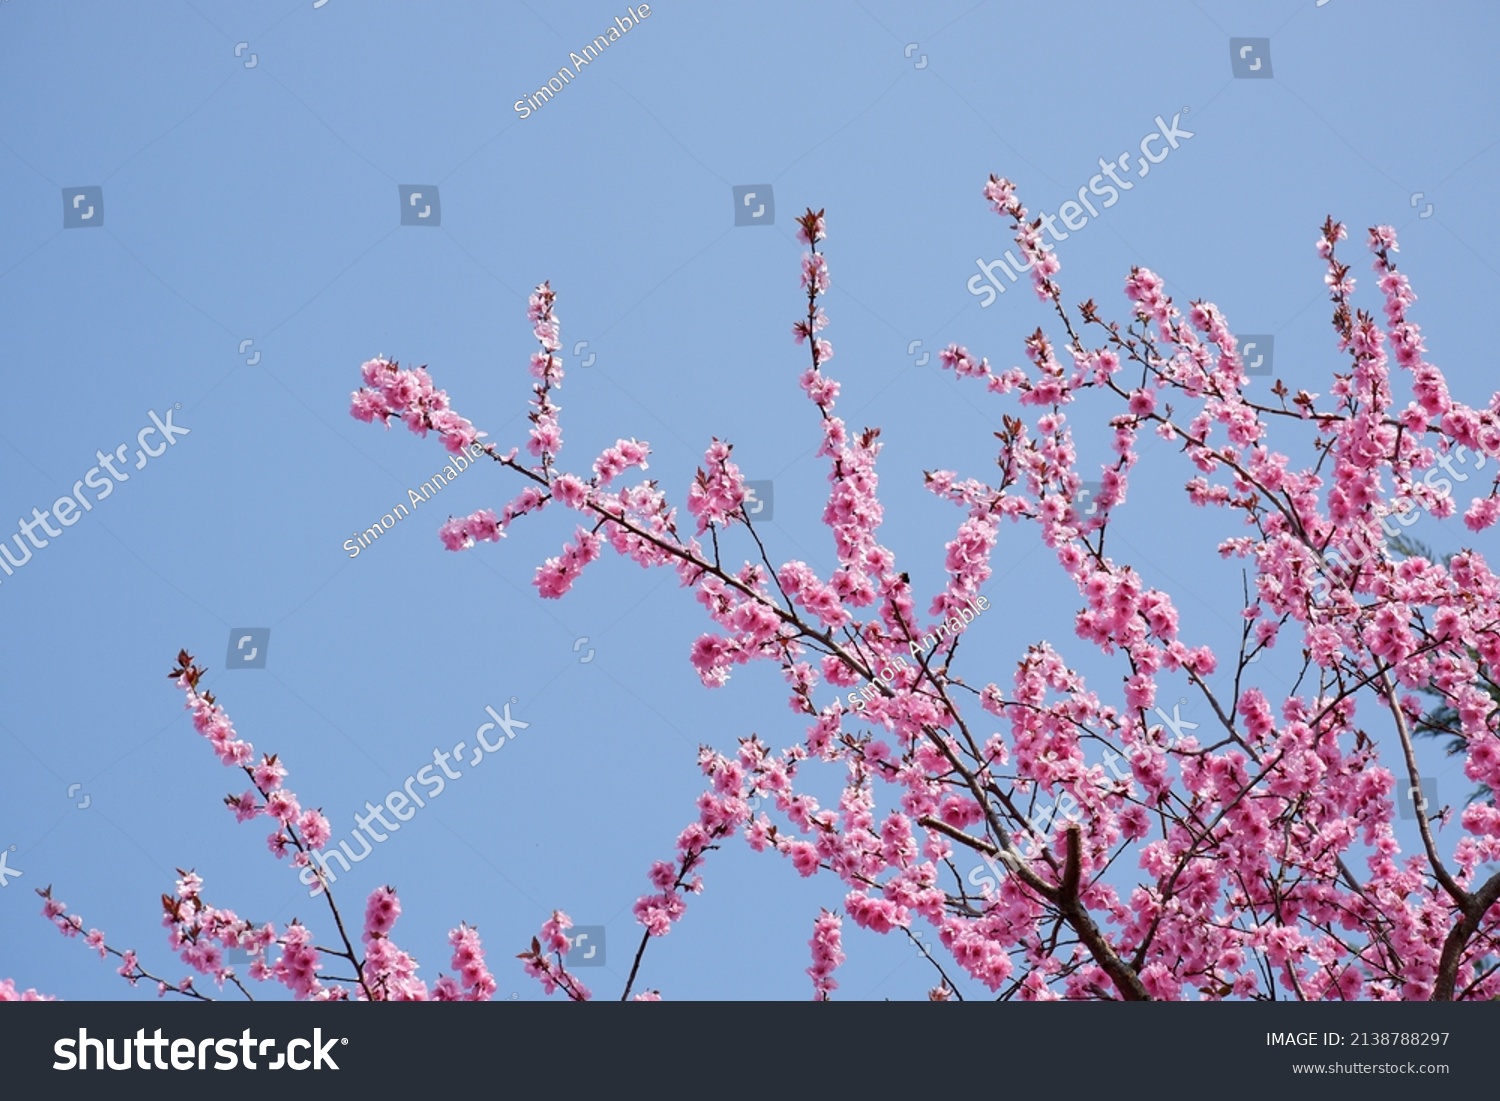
point(1457, 893)
point(1453, 947)
point(1065, 897)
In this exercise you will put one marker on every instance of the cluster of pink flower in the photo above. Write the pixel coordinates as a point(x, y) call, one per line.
point(297, 830)
point(718, 493)
point(391, 392)
point(827, 953)
point(474, 982)
point(9, 993)
point(551, 973)
point(555, 576)
point(201, 933)
point(546, 434)
point(389, 972)
point(460, 533)
point(721, 810)
point(1044, 263)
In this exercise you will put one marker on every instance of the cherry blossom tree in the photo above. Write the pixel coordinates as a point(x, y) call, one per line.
point(1257, 861)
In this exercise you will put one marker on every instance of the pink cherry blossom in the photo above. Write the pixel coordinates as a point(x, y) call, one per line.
point(827, 954)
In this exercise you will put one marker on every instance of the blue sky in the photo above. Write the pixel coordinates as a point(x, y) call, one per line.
point(250, 157)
